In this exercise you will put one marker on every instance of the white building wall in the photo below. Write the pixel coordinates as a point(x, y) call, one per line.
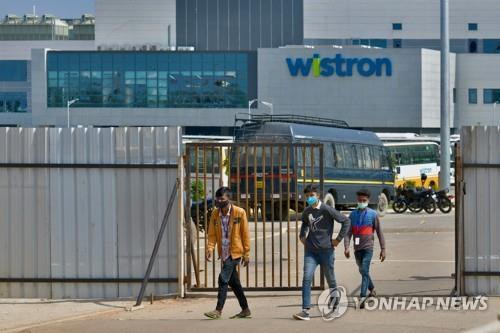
point(346, 19)
point(431, 88)
point(373, 102)
point(135, 23)
point(478, 71)
point(21, 50)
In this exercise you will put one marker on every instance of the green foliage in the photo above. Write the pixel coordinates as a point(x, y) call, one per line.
point(197, 191)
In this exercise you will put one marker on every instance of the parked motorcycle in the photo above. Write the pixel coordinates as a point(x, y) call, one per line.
point(414, 200)
point(442, 201)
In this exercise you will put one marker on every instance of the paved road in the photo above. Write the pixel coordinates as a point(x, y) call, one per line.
point(420, 262)
point(415, 243)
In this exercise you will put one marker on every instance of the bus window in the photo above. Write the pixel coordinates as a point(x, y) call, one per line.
point(346, 156)
point(364, 157)
point(377, 156)
point(329, 156)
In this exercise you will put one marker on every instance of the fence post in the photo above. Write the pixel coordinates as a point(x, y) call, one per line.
point(156, 247)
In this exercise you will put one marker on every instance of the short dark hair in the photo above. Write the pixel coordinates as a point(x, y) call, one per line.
point(363, 192)
point(223, 190)
point(311, 189)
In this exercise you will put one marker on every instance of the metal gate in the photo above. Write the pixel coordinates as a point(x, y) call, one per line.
point(267, 180)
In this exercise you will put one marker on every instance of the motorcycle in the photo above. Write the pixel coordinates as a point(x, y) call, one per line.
point(442, 201)
point(414, 200)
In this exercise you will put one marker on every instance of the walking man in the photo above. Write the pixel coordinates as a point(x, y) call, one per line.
point(316, 234)
point(364, 223)
point(228, 228)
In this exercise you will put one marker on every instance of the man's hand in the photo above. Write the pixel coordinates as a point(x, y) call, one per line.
point(335, 242)
point(382, 256)
point(303, 240)
point(208, 255)
point(347, 253)
point(246, 261)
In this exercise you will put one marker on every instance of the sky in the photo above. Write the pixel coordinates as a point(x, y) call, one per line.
point(59, 8)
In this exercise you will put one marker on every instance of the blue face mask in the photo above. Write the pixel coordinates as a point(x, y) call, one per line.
point(311, 200)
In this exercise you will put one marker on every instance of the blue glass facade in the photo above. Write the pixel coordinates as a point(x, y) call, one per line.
point(13, 70)
point(13, 102)
point(151, 79)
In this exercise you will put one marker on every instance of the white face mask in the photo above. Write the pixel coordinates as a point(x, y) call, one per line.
point(362, 205)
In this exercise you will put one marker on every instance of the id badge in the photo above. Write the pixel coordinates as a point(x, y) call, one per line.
point(356, 240)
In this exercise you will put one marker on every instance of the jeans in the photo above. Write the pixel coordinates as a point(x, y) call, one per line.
point(311, 260)
point(363, 259)
point(229, 276)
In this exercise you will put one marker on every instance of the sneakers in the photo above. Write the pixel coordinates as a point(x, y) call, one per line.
point(303, 315)
point(243, 314)
point(215, 314)
point(372, 293)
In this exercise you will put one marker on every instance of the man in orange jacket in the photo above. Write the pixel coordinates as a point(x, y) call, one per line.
point(228, 228)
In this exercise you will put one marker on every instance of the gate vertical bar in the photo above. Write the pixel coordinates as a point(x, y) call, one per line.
point(297, 243)
point(264, 213)
point(321, 190)
point(280, 156)
point(187, 187)
point(288, 211)
point(255, 213)
point(271, 152)
point(247, 204)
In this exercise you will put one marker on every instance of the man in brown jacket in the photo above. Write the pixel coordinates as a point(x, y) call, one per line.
point(228, 228)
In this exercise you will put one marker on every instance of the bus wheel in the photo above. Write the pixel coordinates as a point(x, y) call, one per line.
point(330, 200)
point(382, 205)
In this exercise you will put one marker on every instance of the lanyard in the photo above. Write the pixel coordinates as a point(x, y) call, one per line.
point(225, 225)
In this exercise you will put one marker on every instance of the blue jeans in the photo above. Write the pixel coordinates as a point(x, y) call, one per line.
point(312, 259)
point(363, 259)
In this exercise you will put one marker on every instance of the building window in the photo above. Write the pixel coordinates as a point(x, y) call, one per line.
point(382, 43)
point(397, 43)
point(473, 26)
point(473, 96)
point(491, 45)
point(397, 26)
point(148, 79)
point(13, 102)
point(472, 46)
point(491, 96)
point(13, 70)
point(454, 95)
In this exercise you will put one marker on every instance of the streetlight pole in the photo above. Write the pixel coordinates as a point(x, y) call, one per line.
point(494, 112)
point(444, 177)
point(73, 101)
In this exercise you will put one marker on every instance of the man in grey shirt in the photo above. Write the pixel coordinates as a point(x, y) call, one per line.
point(364, 223)
point(316, 234)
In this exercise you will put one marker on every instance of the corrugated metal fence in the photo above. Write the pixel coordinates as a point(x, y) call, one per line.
point(80, 209)
point(478, 229)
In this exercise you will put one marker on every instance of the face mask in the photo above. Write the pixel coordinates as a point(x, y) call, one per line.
point(311, 200)
point(362, 205)
point(221, 204)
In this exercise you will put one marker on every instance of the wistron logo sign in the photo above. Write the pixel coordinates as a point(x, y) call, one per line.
point(339, 66)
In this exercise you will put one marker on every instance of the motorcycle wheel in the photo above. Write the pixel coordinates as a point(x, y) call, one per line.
point(399, 206)
point(430, 206)
point(445, 205)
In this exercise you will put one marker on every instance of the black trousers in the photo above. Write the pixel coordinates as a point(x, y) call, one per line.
point(229, 277)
